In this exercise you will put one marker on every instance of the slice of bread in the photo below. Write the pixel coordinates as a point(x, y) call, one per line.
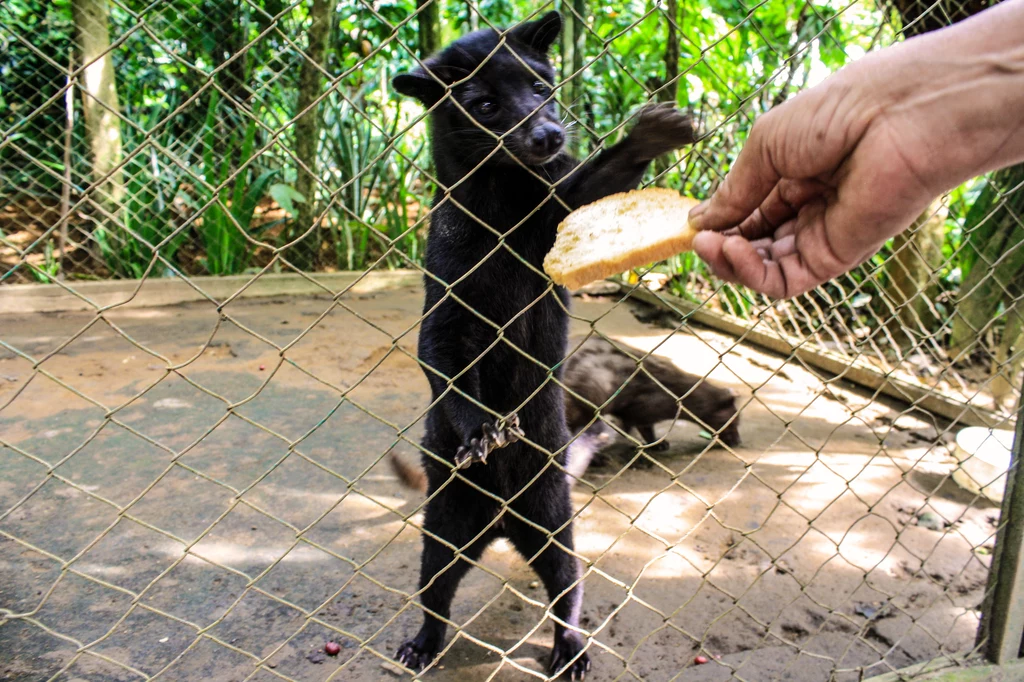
point(618, 233)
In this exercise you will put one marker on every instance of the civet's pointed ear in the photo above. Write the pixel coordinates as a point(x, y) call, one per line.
point(428, 88)
point(539, 34)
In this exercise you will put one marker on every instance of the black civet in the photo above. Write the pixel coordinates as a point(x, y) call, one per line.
point(494, 320)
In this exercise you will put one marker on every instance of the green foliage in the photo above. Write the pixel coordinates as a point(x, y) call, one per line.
point(247, 50)
point(376, 175)
point(145, 225)
point(286, 197)
point(31, 76)
point(209, 88)
point(230, 192)
point(47, 272)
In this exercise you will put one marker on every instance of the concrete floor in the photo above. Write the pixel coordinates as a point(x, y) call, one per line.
point(147, 528)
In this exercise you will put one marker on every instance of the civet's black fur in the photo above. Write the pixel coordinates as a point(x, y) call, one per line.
point(501, 326)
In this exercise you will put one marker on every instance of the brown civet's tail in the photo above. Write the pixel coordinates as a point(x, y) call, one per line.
point(410, 475)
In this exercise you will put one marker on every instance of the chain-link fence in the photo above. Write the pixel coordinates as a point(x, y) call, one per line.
point(199, 459)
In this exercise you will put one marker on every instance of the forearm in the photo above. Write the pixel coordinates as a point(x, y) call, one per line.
point(450, 358)
point(458, 388)
point(660, 129)
point(959, 91)
point(462, 413)
point(612, 170)
point(825, 178)
point(458, 395)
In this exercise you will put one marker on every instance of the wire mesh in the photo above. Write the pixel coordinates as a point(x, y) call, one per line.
point(204, 490)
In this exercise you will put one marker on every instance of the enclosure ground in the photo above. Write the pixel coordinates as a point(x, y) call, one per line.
point(800, 555)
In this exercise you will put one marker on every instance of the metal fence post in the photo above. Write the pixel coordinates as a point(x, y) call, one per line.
point(1002, 624)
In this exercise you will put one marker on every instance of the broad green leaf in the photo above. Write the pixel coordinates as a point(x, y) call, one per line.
point(286, 197)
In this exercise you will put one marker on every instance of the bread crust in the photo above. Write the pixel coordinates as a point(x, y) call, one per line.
point(573, 267)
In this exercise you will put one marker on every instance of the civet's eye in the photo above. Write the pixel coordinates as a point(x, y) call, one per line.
point(540, 87)
point(485, 108)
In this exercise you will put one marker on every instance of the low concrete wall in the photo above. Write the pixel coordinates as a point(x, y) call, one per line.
point(79, 295)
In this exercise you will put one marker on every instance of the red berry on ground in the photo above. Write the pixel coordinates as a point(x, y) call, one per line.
point(262, 367)
point(332, 648)
point(700, 660)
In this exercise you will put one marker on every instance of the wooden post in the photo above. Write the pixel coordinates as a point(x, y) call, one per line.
point(65, 190)
point(1002, 622)
point(306, 253)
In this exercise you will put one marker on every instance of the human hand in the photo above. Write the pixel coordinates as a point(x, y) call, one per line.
point(827, 177)
point(821, 183)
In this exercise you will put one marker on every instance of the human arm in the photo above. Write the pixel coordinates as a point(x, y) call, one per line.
point(827, 177)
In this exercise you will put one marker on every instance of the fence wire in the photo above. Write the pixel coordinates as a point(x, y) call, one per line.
point(204, 490)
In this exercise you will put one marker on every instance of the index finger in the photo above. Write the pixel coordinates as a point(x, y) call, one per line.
point(752, 178)
point(782, 204)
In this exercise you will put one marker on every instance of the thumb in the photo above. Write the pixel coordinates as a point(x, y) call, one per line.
point(748, 183)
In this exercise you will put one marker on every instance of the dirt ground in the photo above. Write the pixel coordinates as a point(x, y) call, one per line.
point(224, 520)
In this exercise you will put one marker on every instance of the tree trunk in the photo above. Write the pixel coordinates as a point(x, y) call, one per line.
point(1009, 357)
point(565, 91)
point(429, 26)
point(910, 286)
point(579, 40)
point(669, 90)
point(794, 64)
point(237, 72)
point(99, 100)
point(573, 47)
point(307, 133)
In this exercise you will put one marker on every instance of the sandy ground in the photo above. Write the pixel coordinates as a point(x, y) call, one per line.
point(222, 521)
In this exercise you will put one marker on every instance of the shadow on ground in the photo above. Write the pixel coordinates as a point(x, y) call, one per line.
point(227, 518)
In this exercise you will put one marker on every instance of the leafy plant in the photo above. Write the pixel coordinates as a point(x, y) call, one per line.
point(48, 270)
point(145, 225)
point(230, 202)
point(286, 197)
point(376, 183)
point(393, 212)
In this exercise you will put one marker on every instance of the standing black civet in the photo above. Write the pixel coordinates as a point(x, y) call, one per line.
point(495, 324)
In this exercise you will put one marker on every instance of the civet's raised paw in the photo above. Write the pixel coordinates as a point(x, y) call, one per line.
point(660, 129)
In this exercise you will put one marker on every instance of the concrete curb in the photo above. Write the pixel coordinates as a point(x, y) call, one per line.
point(79, 296)
point(1013, 672)
point(860, 373)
